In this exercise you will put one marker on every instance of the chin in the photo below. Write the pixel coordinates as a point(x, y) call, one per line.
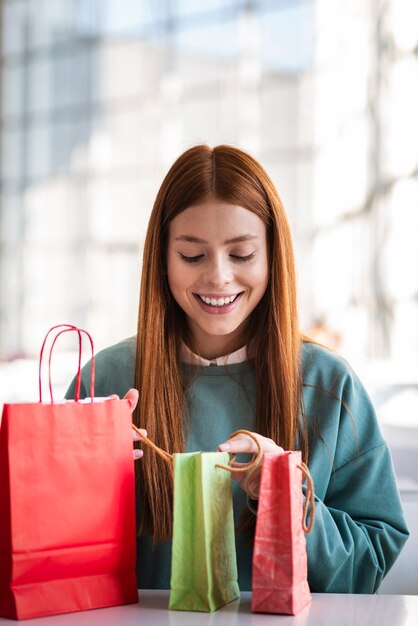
point(220, 332)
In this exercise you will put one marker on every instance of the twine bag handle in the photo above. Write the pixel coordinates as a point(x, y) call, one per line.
point(249, 467)
point(253, 465)
point(67, 328)
point(169, 457)
point(309, 503)
point(162, 453)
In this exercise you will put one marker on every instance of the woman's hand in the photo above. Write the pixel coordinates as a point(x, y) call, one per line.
point(241, 443)
point(132, 395)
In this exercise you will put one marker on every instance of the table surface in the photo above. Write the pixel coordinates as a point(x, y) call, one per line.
point(325, 610)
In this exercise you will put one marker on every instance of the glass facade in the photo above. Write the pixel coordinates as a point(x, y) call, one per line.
point(98, 97)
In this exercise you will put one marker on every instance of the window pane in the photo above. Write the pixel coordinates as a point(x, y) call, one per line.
point(69, 138)
point(11, 155)
point(14, 23)
point(12, 90)
point(39, 152)
point(50, 22)
point(134, 17)
point(192, 8)
point(200, 38)
point(10, 221)
point(40, 87)
point(287, 37)
point(70, 78)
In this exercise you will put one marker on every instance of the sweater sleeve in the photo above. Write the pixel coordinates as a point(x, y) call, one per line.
point(359, 530)
point(359, 527)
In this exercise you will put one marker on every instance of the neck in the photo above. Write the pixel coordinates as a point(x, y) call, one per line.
point(215, 347)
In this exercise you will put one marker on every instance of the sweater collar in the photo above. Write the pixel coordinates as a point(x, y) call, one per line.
point(187, 356)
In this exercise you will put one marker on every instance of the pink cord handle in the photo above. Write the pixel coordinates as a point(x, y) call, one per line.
point(67, 328)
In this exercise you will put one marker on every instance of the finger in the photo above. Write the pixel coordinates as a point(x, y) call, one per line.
point(114, 396)
point(238, 445)
point(137, 436)
point(138, 454)
point(132, 395)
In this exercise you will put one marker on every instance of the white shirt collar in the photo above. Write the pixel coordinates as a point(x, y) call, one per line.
point(239, 356)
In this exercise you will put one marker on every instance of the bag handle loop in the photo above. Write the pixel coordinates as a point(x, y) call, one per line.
point(162, 453)
point(67, 328)
point(243, 468)
point(250, 467)
point(309, 500)
point(253, 465)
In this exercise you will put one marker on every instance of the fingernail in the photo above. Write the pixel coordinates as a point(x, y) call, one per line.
point(138, 454)
point(224, 447)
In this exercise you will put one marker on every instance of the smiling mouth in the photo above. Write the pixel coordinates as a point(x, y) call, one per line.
point(218, 302)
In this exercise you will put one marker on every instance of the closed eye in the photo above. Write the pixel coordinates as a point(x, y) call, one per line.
point(191, 259)
point(235, 257)
point(242, 259)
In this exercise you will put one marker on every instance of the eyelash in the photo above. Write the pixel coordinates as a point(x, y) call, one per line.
point(237, 259)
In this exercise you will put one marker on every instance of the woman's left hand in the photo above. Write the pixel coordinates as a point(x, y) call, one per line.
point(241, 443)
point(132, 395)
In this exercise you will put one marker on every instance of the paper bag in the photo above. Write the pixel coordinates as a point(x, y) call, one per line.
point(204, 570)
point(67, 501)
point(279, 583)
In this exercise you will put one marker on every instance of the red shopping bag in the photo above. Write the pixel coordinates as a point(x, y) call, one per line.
point(279, 583)
point(67, 522)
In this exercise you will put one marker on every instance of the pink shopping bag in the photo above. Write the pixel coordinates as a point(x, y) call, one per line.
point(279, 583)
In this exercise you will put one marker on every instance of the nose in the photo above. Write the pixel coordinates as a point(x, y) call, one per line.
point(218, 272)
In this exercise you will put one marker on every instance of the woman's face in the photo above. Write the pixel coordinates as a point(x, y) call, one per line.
point(217, 265)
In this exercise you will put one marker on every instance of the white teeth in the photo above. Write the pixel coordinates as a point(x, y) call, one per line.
point(218, 301)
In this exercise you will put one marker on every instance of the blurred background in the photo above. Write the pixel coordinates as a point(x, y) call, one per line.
point(98, 97)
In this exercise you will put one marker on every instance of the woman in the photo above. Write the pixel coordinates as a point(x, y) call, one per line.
point(219, 349)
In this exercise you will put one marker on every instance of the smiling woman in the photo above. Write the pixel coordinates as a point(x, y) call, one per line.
point(219, 350)
point(217, 266)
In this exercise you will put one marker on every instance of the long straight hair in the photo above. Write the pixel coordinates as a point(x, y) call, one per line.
point(227, 174)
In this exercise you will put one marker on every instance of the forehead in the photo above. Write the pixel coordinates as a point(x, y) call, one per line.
point(212, 218)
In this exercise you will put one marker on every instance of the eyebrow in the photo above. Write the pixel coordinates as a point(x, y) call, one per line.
point(239, 239)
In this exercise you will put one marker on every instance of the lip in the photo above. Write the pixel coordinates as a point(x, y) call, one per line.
point(218, 295)
point(221, 310)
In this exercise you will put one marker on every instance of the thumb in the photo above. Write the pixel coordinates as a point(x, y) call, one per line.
point(132, 395)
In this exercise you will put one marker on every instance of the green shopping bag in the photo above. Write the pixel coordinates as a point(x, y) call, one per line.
point(204, 567)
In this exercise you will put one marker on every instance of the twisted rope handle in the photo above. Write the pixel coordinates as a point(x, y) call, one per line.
point(162, 453)
point(253, 465)
point(309, 500)
point(249, 467)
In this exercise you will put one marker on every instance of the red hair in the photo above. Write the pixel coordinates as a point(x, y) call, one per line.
point(228, 174)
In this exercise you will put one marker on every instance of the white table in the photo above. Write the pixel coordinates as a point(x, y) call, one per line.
point(325, 610)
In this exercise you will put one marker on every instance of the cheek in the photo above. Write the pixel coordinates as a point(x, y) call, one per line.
point(259, 276)
point(173, 273)
point(179, 276)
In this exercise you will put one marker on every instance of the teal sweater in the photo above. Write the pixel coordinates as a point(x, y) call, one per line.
point(359, 526)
